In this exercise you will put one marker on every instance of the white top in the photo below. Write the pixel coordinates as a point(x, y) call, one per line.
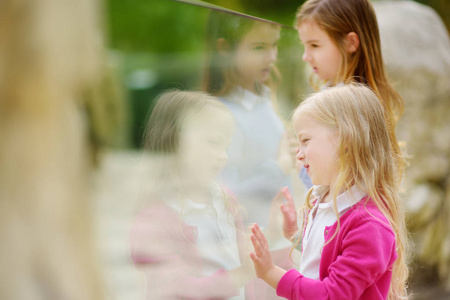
point(321, 216)
point(216, 233)
point(252, 171)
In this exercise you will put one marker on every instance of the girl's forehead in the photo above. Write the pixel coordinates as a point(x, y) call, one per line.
point(207, 118)
point(204, 126)
point(300, 113)
point(300, 119)
point(310, 29)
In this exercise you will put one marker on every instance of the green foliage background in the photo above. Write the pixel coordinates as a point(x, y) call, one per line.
point(159, 45)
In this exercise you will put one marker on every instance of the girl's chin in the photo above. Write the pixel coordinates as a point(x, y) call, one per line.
point(201, 181)
point(210, 179)
point(265, 75)
point(322, 78)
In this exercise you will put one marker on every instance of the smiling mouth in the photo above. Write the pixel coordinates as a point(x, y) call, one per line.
point(307, 168)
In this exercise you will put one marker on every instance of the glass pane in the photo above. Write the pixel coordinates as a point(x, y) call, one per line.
point(217, 172)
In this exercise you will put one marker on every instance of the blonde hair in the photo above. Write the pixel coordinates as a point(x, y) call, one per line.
point(340, 17)
point(366, 159)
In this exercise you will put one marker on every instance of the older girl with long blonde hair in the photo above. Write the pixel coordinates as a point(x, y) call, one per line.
point(342, 45)
point(353, 238)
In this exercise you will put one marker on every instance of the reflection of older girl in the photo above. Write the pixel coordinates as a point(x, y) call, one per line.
point(240, 68)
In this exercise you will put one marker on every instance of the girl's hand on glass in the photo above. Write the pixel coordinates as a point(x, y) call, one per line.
point(290, 226)
point(262, 258)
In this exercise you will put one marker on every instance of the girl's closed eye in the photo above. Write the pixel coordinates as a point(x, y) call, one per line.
point(218, 143)
point(258, 46)
point(213, 142)
point(311, 45)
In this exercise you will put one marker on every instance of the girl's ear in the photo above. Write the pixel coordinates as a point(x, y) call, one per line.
point(352, 42)
point(222, 46)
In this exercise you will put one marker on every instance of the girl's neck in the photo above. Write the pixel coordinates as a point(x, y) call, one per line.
point(252, 86)
point(328, 197)
point(196, 194)
point(249, 87)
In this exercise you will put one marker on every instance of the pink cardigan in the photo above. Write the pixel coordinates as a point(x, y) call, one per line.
point(356, 264)
point(164, 248)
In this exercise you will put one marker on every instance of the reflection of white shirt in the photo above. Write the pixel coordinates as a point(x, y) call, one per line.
point(252, 171)
point(216, 233)
point(314, 239)
point(248, 99)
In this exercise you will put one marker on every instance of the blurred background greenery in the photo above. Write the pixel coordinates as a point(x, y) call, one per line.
point(157, 45)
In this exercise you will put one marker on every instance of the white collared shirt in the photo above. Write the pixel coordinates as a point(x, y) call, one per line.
point(247, 99)
point(323, 215)
point(216, 233)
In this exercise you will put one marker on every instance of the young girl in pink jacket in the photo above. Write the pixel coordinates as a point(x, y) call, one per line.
point(353, 238)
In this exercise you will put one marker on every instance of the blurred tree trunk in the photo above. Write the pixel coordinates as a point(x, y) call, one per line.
point(49, 52)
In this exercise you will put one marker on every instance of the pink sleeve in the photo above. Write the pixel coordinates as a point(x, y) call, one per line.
point(367, 253)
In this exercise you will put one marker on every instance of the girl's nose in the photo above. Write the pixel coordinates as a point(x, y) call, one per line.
point(271, 55)
point(223, 156)
point(306, 57)
point(300, 154)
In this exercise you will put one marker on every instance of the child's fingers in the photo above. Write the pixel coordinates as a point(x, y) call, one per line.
point(287, 195)
point(288, 213)
point(256, 245)
point(255, 258)
point(256, 233)
point(287, 216)
point(289, 199)
point(289, 219)
point(256, 237)
point(284, 210)
point(260, 236)
point(278, 197)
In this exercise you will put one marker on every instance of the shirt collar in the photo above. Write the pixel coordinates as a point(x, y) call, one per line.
point(345, 200)
point(187, 205)
point(248, 99)
point(328, 85)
